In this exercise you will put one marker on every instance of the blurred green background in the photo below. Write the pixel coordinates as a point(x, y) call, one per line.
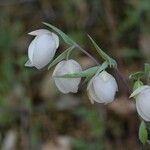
point(34, 115)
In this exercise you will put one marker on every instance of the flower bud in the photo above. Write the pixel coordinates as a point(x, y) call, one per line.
point(102, 88)
point(66, 85)
point(143, 103)
point(42, 49)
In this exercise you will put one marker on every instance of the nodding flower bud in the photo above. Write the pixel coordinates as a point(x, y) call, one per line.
point(143, 102)
point(66, 85)
point(102, 88)
point(42, 49)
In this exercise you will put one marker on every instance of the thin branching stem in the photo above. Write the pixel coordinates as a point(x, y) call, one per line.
point(88, 54)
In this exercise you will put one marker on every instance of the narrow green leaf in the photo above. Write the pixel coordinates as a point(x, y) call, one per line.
point(60, 57)
point(111, 61)
point(99, 50)
point(62, 34)
point(100, 69)
point(86, 73)
point(143, 135)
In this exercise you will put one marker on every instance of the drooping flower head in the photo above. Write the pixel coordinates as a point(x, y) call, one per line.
point(102, 88)
point(42, 49)
point(66, 85)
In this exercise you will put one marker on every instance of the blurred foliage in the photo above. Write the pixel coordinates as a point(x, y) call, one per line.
point(29, 107)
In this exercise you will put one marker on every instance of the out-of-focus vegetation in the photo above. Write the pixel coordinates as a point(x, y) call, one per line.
point(33, 114)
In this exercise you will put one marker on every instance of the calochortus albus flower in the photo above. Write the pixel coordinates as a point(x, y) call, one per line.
point(102, 88)
point(66, 85)
point(42, 49)
point(143, 102)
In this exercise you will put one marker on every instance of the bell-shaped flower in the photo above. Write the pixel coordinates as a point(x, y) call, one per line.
point(66, 85)
point(102, 88)
point(42, 49)
point(143, 102)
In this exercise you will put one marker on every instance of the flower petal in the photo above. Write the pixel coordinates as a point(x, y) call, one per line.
point(45, 50)
point(56, 38)
point(91, 93)
point(102, 88)
point(105, 89)
point(66, 85)
point(140, 112)
point(31, 49)
point(60, 85)
point(39, 32)
point(143, 104)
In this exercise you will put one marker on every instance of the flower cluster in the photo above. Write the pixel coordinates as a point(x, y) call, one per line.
point(101, 88)
point(67, 74)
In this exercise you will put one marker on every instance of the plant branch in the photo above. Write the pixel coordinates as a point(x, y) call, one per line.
point(88, 54)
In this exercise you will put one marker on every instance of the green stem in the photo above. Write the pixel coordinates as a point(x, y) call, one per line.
point(102, 67)
point(88, 54)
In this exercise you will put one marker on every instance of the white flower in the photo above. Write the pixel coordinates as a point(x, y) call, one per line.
point(42, 49)
point(143, 102)
point(66, 85)
point(102, 88)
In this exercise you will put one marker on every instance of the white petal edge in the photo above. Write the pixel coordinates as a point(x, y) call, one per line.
point(56, 38)
point(91, 92)
point(142, 101)
point(39, 32)
point(140, 112)
point(31, 49)
point(45, 49)
point(105, 89)
point(59, 84)
point(139, 90)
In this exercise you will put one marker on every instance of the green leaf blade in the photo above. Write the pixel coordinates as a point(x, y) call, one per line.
point(111, 61)
point(62, 34)
point(60, 57)
point(85, 73)
point(102, 54)
point(143, 135)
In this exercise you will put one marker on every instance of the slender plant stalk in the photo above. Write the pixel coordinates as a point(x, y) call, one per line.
point(88, 54)
point(123, 80)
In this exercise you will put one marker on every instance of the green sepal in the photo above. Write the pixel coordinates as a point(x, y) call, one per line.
point(137, 84)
